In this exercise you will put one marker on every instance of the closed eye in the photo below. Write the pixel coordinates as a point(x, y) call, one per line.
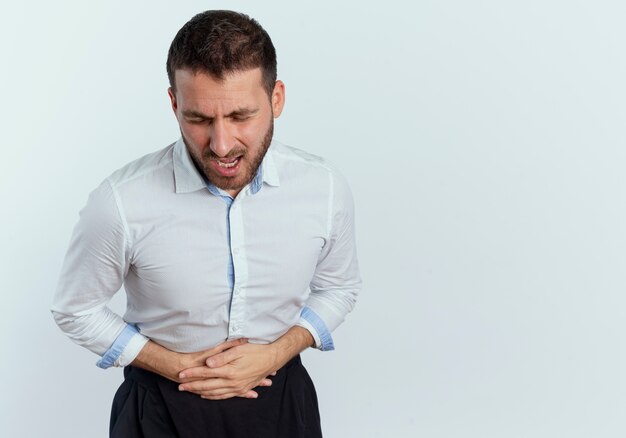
point(242, 114)
point(197, 121)
point(240, 118)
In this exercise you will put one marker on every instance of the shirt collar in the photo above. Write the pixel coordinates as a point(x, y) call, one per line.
point(188, 179)
point(186, 176)
point(270, 173)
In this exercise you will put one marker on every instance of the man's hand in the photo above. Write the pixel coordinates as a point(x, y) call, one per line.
point(232, 373)
point(237, 370)
point(167, 363)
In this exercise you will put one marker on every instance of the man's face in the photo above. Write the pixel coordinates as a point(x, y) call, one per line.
point(227, 125)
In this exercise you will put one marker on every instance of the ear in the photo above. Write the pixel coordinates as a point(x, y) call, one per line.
point(278, 98)
point(172, 96)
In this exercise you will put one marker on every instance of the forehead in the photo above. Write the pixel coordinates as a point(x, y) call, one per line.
point(238, 88)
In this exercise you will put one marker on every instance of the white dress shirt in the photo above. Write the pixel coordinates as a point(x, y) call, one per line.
point(200, 267)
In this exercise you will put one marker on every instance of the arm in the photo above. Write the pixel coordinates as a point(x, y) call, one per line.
point(94, 268)
point(336, 282)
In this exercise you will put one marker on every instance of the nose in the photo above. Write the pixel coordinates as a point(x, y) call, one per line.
point(221, 142)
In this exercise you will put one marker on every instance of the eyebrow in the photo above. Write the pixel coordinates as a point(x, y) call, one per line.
point(239, 112)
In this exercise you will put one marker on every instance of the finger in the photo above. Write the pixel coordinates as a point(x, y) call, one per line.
point(198, 386)
point(249, 394)
point(223, 358)
point(196, 373)
point(242, 393)
point(200, 390)
point(265, 382)
point(217, 397)
point(226, 345)
point(203, 372)
point(245, 392)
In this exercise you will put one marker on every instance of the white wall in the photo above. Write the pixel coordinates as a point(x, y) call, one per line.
point(484, 142)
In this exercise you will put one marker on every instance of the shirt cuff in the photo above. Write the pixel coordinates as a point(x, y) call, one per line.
point(125, 348)
point(313, 323)
point(131, 351)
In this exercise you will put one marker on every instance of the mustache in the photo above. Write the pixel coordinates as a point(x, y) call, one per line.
point(210, 155)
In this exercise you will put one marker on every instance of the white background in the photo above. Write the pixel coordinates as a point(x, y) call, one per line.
point(484, 143)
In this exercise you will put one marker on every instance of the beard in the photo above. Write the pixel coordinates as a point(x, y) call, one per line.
point(250, 160)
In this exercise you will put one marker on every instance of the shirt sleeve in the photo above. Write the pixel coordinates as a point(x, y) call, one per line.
point(336, 282)
point(95, 265)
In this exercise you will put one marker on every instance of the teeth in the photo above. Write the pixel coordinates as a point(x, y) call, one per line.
point(231, 164)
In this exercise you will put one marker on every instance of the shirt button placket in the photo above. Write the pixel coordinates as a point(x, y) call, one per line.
point(237, 307)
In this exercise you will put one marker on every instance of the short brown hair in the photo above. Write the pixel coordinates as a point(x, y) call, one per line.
point(222, 42)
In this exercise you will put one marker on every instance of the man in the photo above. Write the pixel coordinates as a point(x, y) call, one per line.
point(236, 253)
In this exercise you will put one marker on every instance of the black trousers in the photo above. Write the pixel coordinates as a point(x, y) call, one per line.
point(148, 405)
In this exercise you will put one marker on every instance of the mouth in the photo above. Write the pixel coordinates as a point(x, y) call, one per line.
point(227, 167)
point(228, 163)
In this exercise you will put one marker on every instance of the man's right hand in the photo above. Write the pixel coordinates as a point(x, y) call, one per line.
point(167, 363)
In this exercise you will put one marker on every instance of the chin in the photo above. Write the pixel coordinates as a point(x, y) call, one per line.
point(236, 183)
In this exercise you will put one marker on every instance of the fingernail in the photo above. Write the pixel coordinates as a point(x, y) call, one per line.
point(210, 362)
point(255, 395)
point(180, 388)
point(182, 375)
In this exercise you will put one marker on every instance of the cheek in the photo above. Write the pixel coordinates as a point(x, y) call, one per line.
point(195, 133)
point(253, 132)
